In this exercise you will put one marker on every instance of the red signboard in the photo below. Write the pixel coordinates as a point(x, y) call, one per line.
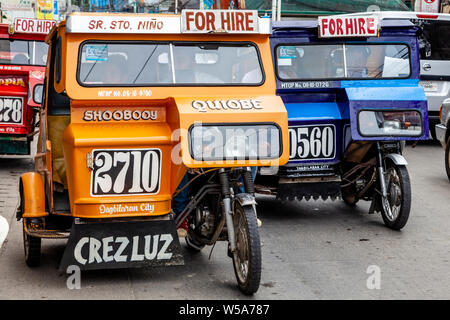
point(230, 21)
point(354, 26)
point(33, 25)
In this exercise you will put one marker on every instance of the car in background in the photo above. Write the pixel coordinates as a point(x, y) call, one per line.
point(443, 132)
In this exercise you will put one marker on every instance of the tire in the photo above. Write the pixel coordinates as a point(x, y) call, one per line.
point(247, 257)
point(350, 200)
point(399, 196)
point(32, 248)
point(447, 158)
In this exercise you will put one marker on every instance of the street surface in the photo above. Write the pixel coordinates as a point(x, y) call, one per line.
point(311, 250)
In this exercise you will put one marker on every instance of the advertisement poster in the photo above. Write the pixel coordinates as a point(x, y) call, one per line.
point(44, 9)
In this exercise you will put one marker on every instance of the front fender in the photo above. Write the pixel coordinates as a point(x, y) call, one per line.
point(33, 195)
point(245, 199)
point(398, 159)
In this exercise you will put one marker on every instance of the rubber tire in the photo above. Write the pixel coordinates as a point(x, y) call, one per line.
point(350, 203)
point(32, 248)
point(251, 285)
point(447, 158)
point(405, 185)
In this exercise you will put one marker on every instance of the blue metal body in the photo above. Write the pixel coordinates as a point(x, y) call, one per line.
point(337, 102)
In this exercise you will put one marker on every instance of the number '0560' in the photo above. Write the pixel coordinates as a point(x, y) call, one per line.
point(122, 172)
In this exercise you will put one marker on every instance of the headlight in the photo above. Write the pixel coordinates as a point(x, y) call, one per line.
point(235, 142)
point(37, 93)
point(390, 123)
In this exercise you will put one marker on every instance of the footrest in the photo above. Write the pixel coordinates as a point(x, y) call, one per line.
point(308, 190)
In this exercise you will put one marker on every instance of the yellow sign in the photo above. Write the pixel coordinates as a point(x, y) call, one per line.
point(44, 9)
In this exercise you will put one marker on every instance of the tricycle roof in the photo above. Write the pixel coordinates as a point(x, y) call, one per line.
point(26, 29)
point(190, 21)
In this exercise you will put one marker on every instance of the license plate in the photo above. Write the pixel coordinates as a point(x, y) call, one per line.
point(429, 86)
point(11, 110)
point(315, 142)
point(121, 172)
point(111, 245)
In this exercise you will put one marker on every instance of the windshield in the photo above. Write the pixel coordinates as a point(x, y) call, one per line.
point(147, 64)
point(435, 40)
point(23, 52)
point(343, 61)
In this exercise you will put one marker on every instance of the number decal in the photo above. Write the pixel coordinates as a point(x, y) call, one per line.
point(126, 172)
point(312, 142)
point(11, 110)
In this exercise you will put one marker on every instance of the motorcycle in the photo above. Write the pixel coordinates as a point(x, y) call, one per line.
point(144, 101)
point(350, 84)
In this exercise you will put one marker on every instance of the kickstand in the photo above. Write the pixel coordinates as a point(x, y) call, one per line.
point(415, 144)
point(372, 206)
point(209, 258)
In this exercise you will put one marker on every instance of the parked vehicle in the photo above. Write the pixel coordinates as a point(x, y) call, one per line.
point(443, 133)
point(350, 85)
point(434, 44)
point(23, 55)
point(133, 102)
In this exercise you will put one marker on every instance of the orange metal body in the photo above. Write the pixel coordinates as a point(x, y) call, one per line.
point(168, 132)
point(34, 203)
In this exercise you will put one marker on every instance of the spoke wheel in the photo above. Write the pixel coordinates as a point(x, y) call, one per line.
point(247, 257)
point(32, 248)
point(396, 208)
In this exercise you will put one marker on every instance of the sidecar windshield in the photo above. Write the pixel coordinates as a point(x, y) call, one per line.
point(169, 64)
point(343, 61)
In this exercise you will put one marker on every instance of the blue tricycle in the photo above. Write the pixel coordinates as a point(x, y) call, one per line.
point(350, 85)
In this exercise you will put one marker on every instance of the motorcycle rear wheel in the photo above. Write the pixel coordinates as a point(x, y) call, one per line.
point(247, 256)
point(32, 248)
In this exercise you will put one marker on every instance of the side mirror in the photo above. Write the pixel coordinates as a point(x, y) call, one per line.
point(38, 91)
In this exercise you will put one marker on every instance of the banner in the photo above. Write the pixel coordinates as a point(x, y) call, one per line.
point(44, 9)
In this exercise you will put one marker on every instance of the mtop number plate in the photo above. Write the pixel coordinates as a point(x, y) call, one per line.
point(11, 110)
point(126, 172)
point(315, 142)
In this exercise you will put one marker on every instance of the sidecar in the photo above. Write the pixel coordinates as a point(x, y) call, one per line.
point(132, 102)
point(23, 55)
point(350, 85)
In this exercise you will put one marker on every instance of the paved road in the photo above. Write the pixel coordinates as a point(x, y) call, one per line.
point(311, 250)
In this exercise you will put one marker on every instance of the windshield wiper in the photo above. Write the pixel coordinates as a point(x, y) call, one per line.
point(142, 69)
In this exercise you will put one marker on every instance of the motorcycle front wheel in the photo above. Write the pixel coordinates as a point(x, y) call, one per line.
point(247, 256)
point(398, 201)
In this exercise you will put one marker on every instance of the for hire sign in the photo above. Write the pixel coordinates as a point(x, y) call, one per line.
point(348, 26)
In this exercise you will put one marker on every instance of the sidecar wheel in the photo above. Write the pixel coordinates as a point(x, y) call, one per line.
point(32, 248)
point(399, 196)
point(247, 257)
point(350, 200)
point(447, 158)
